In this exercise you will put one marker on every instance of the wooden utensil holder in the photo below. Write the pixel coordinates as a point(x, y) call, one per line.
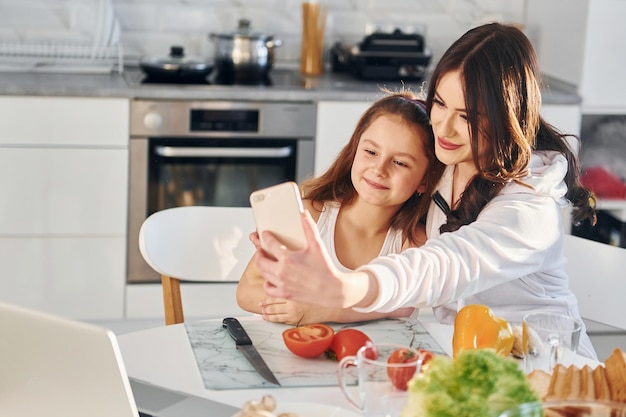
point(313, 25)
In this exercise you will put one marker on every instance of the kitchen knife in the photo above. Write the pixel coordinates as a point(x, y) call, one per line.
point(244, 344)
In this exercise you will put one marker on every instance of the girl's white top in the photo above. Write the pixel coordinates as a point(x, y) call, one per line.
point(326, 225)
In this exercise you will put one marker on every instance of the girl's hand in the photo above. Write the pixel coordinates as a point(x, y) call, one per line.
point(256, 241)
point(279, 310)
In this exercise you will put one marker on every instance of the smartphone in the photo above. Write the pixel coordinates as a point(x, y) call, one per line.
point(278, 209)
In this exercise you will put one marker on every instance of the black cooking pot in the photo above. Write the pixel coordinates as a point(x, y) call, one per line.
point(176, 67)
point(243, 56)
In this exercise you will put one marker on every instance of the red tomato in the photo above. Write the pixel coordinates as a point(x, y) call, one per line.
point(347, 342)
point(400, 376)
point(308, 341)
point(427, 356)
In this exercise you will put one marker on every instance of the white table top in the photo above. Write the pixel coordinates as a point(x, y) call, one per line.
point(164, 357)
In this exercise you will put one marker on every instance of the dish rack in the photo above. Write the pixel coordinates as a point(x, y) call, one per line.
point(102, 54)
point(50, 57)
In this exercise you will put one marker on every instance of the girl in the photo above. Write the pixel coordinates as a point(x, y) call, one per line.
point(495, 224)
point(367, 204)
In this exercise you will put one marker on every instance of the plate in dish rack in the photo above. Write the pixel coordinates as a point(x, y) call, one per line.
point(306, 409)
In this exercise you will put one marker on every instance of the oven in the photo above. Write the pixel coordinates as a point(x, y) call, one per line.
point(211, 153)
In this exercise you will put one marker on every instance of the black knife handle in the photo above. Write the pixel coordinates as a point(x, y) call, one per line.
point(236, 331)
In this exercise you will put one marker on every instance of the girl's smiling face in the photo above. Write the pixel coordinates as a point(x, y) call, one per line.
point(390, 163)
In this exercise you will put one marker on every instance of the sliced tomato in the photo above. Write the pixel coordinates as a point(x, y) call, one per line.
point(400, 375)
point(347, 342)
point(308, 341)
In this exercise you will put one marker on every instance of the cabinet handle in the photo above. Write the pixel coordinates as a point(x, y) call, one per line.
point(195, 152)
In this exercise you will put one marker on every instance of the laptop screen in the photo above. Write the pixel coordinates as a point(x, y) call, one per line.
point(50, 366)
point(55, 367)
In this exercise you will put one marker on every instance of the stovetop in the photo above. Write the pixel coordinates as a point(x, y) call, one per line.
point(277, 78)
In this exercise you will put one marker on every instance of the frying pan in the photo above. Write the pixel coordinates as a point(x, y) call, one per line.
point(176, 67)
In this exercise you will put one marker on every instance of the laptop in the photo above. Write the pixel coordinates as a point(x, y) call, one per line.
point(51, 366)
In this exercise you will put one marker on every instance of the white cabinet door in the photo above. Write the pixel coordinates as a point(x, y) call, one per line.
point(69, 121)
point(566, 118)
point(603, 85)
point(74, 276)
point(335, 123)
point(63, 191)
point(583, 46)
point(64, 176)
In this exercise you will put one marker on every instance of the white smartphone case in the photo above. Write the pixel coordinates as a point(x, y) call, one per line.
point(278, 209)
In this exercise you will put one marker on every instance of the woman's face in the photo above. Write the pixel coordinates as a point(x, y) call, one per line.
point(449, 120)
point(390, 163)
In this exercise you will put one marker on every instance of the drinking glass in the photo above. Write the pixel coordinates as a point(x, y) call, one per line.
point(549, 339)
point(381, 386)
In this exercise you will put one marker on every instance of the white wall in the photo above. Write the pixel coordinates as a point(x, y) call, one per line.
point(150, 27)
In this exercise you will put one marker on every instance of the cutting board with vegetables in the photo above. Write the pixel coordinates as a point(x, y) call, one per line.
point(222, 366)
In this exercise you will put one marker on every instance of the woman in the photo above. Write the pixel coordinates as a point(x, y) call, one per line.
point(368, 203)
point(495, 224)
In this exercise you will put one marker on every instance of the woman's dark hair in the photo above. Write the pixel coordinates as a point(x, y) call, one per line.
point(499, 71)
point(336, 183)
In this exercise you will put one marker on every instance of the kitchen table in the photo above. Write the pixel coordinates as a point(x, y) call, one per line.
point(164, 356)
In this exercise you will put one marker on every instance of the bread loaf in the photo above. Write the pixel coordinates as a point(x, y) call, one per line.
point(600, 384)
point(615, 366)
point(605, 382)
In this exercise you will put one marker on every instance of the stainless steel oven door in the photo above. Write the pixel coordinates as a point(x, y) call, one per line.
point(172, 172)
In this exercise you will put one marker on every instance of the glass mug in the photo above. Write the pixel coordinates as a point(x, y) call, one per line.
point(377, 380)
point(549, 339)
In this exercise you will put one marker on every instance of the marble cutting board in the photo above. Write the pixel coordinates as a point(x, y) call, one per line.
point(222, 366)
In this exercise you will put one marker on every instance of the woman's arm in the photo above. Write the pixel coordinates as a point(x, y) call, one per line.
point(511, 238)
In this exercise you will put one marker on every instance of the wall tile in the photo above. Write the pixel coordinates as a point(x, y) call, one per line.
point(150, 27)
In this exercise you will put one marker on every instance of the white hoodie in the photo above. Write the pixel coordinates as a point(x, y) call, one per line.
point(510, 259)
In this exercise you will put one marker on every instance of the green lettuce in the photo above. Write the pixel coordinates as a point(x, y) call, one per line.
point(477, 383)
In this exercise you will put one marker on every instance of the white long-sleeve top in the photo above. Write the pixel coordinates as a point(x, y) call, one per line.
point(510, 259)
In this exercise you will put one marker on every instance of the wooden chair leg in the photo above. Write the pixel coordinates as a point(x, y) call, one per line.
point(172, 302)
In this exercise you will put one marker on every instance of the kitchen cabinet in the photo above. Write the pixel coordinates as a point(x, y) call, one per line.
point(336, 121)
point(583, 48)
point(64, 173)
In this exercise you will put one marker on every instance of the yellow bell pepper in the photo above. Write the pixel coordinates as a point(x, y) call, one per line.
point(476, 327)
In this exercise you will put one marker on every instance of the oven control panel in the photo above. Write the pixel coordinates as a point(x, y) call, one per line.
point(230, 120)
point(168, 118)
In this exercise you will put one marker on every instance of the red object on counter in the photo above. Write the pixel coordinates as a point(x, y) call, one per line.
point(603, 183)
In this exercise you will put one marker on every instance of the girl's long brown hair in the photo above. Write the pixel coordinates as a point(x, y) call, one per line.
point(499, 71)
point(336, 184)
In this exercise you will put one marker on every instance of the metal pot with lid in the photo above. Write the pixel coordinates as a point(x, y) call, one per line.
point(176, 67)
point(243, 55)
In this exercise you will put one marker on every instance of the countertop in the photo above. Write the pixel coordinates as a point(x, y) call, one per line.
point(288, 85)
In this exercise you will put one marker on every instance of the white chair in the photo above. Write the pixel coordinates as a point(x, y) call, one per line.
point(196, 243)
point(597, 274)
